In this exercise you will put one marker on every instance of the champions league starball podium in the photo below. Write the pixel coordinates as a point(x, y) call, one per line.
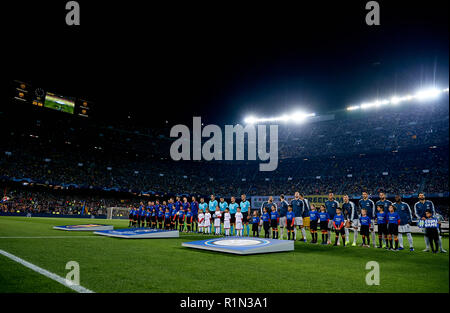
point(242, 245)
point(139, 233)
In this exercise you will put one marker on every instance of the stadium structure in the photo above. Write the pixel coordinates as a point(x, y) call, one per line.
point(59, 169)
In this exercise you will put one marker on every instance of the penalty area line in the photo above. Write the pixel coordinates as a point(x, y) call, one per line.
point(57, 278)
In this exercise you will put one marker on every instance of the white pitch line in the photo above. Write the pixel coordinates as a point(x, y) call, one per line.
point(59, 279)
point(48, 237)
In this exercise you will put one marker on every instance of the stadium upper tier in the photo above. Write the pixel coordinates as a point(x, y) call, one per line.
point(349, 153)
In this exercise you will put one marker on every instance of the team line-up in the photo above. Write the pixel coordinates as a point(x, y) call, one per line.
point(393, 219)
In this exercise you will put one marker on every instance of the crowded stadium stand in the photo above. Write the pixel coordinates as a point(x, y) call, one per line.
point(51, 162)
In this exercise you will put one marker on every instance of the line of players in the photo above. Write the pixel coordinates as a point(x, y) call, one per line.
point(393, 219)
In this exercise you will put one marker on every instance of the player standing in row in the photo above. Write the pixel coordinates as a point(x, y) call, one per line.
point(366, 203)
point(178, 203)
point(167, 220)
point(207, 222)
point(298, 207)
point(266, 222)
point(384, 202)
point(393, 222)
point(420, 209)
point(238, 220)
point(160, 214)
point(212, 207)
point(173, 215)
point(331, 205)
point(382, 222)
point(141, 221)
point(431, 226)
point(305, 216)
point(324, 219)
point(223, 205)
point(194, 209)
point(267, 205)
point(290, 223)
point(201, 221)
point(233, 209)
point(348, 208)
point(189, 218)
point(313, 220)
point(255, 224)
point(366, 226)
point(245, 209)
point(202, 206)
point(217, 219)
point(338, 224)
point(404, 211)
point(227, 222)
point(131, 217)
point(274, 220)
point(283, 218)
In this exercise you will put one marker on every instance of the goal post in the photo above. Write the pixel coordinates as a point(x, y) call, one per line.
point(117, 213)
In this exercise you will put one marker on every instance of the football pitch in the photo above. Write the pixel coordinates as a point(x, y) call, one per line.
point(163, 265)
point(49, 103)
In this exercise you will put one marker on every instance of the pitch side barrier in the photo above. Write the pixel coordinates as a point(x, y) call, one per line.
point(25, 214)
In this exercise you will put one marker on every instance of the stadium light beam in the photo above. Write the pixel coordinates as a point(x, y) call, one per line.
point(296, 117)
point(429, 93)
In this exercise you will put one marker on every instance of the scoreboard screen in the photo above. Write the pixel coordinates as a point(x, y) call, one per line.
point(59, 103)
point(25, 93)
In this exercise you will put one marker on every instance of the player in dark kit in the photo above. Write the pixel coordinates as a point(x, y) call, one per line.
point(154, 217)
point(393, 222)
point(266, 223)
point(274, 220)
point(173, 218)
point(160, 216)
point(148, 214)
point(167, 222)
point(131, 217)
point(181, 219)
point(431, 226)
point(338, 224)
point(255, 224)
point(324, 218)
point(136, 217)
point(141, 221)
point(189, 219)
point(313, 218)
point(382, 226)
point(366, 224)
point(290, 221)
point(194, 209)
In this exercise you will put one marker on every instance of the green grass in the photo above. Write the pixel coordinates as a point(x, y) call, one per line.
point(58, 106)
point(163, 265)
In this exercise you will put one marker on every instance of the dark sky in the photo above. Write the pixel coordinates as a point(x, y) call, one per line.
point(223, 61)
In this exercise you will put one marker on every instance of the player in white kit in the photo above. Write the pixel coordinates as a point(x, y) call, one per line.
point(201, 221)
point(217, 216)
point(207, 222)
point(239, 226)
point(226, 222)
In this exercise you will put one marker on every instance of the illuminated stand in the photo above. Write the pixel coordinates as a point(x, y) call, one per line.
point(84, 227)
point(242, 245)
point(139, 233)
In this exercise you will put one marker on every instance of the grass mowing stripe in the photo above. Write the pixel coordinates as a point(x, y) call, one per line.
point(46, 273)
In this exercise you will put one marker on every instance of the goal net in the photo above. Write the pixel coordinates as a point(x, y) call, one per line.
point(117, 213)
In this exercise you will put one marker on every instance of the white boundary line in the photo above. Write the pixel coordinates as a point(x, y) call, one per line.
point(59, 279)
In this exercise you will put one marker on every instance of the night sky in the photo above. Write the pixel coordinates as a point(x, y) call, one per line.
point(224, 61)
